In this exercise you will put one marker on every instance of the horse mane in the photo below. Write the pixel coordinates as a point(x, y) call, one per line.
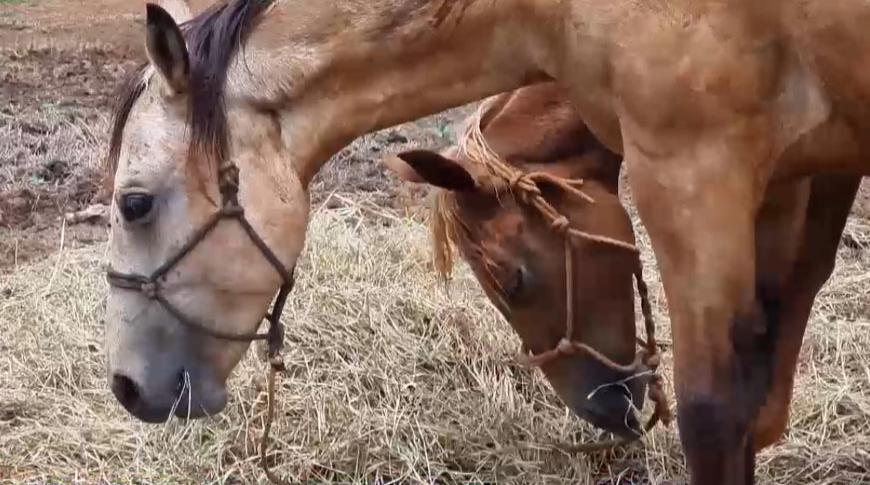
point(472, 144)
point(213, 37)
point(448, 232)
point(445, 227)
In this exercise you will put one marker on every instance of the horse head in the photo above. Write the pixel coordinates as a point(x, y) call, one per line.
point(520, 260)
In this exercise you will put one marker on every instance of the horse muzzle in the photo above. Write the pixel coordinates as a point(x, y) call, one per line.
point(157, 394)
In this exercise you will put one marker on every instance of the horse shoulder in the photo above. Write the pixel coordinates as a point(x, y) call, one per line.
point(802, 105)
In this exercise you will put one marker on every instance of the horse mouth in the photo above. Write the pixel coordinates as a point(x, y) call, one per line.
point(624, 425)
point(189, 399)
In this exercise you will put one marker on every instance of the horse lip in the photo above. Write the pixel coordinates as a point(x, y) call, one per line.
point(628, 428)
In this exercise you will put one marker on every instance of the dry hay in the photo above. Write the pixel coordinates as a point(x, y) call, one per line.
point(391, 378)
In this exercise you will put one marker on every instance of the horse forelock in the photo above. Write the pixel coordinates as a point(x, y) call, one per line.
point(448, 232)
point(125, 97)
point(442, 218)
point(474, 147)
point(213, 38)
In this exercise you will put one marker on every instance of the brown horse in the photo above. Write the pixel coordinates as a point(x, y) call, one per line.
point(519, 260)
point(539, 123)
point(713, 103)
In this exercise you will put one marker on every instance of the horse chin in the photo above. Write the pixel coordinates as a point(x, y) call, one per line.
point(207, 402)
point(613, 409)
point(599, 395)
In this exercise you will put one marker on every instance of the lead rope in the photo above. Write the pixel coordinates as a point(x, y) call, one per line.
point(229, 184)
point(228, 175)
point(275, 365)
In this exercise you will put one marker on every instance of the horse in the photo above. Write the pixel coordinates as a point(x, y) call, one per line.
point(506, 234)
point(526, 123)
point(711, 103)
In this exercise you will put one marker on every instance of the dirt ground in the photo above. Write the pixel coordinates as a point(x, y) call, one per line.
point(60, 61)
point(59, 64)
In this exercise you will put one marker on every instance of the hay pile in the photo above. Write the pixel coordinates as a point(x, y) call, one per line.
point(391, 378)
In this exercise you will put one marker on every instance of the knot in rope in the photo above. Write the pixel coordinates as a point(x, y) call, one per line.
point(565, 347)
point(228, 181)
point(656, 393)
point(229, 173)
point(560, 225)
point(232, 210)
point(653, 360)
point(277, 363)
point(524, 185)
point(149, 289)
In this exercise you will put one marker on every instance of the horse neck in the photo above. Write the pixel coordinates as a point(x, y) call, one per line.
point(339, 69)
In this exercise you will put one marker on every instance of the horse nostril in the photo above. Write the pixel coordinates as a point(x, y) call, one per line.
point(126, 391)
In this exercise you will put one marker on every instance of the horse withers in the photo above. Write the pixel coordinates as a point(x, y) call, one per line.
point(519, 258)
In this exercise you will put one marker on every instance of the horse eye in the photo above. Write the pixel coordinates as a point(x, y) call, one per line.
point(136, 206)
point(515, 285)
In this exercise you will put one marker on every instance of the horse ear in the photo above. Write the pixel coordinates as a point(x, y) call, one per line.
point(166, 49)
point(425, 166)
point(179, 10)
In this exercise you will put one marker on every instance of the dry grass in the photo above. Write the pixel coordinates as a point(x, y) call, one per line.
point(391, 378)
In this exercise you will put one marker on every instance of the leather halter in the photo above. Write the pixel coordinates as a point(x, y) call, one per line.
point(150, 285)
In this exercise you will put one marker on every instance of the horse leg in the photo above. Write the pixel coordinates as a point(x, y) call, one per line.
point(779, 228)
point(830, 200)
point(698, 202)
